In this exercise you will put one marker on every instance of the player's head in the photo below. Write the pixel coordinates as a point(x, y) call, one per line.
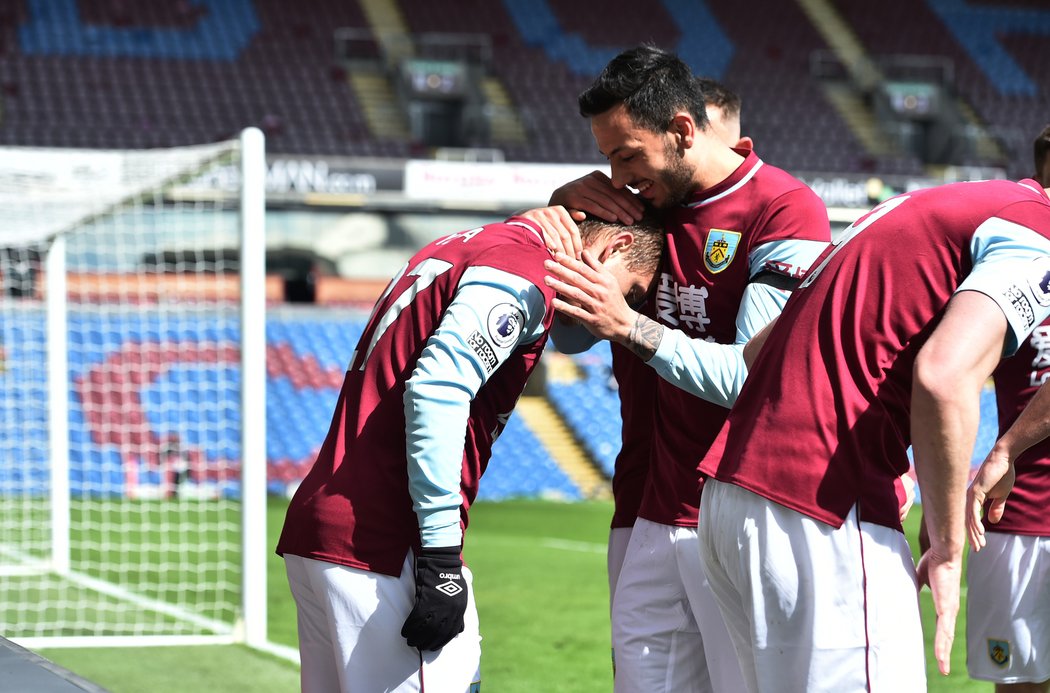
point(723, 112)
point(630, 251)
point(646, 109)
point(1041, 151)
point(651, 84)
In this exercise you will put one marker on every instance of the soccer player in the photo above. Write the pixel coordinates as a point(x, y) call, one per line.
point(373, 536)
point(636, 382)
point(1008, 624)
point(887, 342)
point(740, 233)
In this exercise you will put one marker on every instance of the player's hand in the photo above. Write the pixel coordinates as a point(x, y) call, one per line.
point(559, 228)
point(943, 577)
point(590, 294)
point(595, 194)
point(441, 599)
point(994, 481)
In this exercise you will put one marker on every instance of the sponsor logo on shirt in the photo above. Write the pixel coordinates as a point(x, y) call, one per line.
point(1040, 282)
point(1040, 342)
point(682, 306)
point(785, 268)
point(999, 651)
point(504, 324)
point(1021, 304)
point(720, 249)
point(483, 349)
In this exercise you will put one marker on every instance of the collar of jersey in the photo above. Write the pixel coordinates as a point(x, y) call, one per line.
point(745, 171)
point(529, 227)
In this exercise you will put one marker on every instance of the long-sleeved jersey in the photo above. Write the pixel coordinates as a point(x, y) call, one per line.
point(823, 422)
point(731, 253)
point(435, 376)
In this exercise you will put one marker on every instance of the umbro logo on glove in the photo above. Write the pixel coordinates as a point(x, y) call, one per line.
point(450, 588)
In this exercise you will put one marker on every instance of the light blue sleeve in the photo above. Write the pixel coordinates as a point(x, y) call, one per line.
point(790, 257)
point(716, 372)
point(457, 361)
point(1011, 265)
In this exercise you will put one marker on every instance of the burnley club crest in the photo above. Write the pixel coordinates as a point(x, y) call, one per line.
point(999, 651)
point(720, 249)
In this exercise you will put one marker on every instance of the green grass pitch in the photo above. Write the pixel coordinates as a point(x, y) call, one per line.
point(539, 572)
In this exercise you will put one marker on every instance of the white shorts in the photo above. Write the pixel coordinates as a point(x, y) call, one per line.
point(1008, 609)
point(618, 539)
point(811, 607)
point(668, 634)
point(350, 633)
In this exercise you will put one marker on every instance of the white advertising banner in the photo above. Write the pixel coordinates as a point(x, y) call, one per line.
point(514, 183)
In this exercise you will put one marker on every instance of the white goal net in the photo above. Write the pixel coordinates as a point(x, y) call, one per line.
point(131, 339)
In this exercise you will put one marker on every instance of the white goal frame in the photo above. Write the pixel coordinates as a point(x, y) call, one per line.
point(250, 624)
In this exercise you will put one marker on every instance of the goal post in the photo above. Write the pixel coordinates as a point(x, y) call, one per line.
point(132, 396)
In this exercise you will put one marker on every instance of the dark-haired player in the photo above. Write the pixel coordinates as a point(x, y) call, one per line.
point(740, 234)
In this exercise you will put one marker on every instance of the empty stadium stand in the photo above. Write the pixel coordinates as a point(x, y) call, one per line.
point(111, 73)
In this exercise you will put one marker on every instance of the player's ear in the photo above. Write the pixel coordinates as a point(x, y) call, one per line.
point(683, 129)
point(745, 143)
point(618, 243)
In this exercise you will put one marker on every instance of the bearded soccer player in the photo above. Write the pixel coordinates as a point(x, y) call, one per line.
point(740, 234)
point(888, 341)
point(373, 536)
point(636, 382)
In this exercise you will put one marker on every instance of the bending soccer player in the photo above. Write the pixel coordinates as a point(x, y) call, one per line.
point(799, 526)
point(740, 235)
point(1008, 614)
point(373, 536)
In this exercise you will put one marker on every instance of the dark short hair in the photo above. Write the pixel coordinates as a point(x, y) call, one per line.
point(720, 96)
point(1040, 150)
point(644, 254)
point(653, 85)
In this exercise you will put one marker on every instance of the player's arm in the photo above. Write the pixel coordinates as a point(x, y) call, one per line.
point(716, 372)
point(949, 372)
point(706, 369)
point(712, 371)
point(995, 478)
point(457, 361)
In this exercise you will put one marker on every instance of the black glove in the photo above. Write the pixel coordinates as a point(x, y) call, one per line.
point(441, 599)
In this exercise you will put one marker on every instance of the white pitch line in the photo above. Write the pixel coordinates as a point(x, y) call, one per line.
point(569, 545)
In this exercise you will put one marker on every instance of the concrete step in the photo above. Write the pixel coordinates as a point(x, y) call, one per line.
point(545, 422)
point(505, 122)
point(384, 115)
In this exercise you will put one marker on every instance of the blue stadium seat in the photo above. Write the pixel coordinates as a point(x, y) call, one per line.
point(521, 467)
